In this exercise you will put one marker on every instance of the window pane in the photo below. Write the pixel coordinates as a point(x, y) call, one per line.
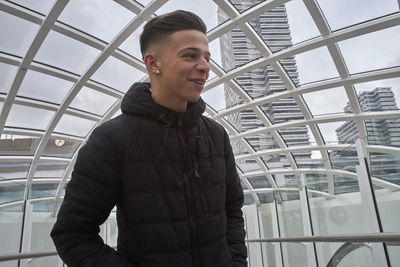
point(28, 117)
point(18, 145)
point(63, 52)
point(369, 52)
point(19, 36)
point(103, 19)
point(343, 13)
point(327, 102)
point(117, 74)
point(10, 230)
point(44, 87)
point(61, 148)
point(41, 6)
point(7, 75)
point(92, 101)
point(72, 125)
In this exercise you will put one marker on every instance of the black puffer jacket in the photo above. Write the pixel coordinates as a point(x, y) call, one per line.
point(173, 179)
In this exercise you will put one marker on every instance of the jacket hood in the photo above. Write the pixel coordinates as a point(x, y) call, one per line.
point(138, 101)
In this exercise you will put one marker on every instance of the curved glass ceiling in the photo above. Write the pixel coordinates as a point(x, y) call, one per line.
point(295, 84)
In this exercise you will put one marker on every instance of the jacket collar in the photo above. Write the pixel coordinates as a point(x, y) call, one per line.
point(138, 101)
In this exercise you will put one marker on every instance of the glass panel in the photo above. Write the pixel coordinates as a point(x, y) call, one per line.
point(44, 87)
point(208, 13)
point(43, 190)
point(50, 169)
point(7, 75)
point(19, 36)
point(10, 232)
point(28, 117)
point(317, 182)
point(11, 191)
point(13, 169)
point(327, 102)
point(246, 120)
point(242, 6)
point(66, 53)
point(42, 224)
point(131, 44)
point(18, 145)
point(294, 254)
point(315, 65)
point(248, 166)
point(393, 84)
point(72, 125)
point(259, 182)
point(275, 161)
point(90, 100)
point(368, 52)
point(103, 19)
point(386, 167)
point(343, 13)
point(261, 142)
point(345, 160)
point(304, 160)
point(215, 97)
point(394, 255)
point(39, 6)
point(359, 257)
point(117, 74)
point(302, 26)
point(328, 132)
point(62, 148)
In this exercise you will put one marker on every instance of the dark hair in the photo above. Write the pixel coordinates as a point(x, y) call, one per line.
point(162, 26)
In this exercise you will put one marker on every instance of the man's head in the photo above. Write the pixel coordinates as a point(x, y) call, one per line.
point(176, 54)
point(161, 27)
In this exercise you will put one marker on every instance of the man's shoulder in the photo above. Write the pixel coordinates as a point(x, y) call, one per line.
point(213, 126)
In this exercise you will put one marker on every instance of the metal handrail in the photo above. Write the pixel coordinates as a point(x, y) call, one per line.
point(393, 238)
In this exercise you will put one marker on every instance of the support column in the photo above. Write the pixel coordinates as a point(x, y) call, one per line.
point(307, 227)
point(277, 234)
point(371, 213)
point(26, 232)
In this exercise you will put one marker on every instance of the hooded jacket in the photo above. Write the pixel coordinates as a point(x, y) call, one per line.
point(173, 179)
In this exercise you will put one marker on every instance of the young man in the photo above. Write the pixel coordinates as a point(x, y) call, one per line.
point(169, 170)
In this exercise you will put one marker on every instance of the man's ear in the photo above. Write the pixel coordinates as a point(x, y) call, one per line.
point(151, 62)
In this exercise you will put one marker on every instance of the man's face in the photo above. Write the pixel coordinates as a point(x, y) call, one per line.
point(183, 63)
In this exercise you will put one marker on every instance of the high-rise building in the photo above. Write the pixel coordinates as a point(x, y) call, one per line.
point(236, 50)
point(379, 131)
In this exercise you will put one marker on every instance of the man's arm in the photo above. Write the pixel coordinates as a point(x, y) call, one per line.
point(90, 196)
point(234, 202)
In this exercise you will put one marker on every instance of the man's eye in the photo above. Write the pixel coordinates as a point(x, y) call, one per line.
point(190, 55)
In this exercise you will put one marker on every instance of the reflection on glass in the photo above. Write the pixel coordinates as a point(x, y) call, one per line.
point(394, 254)
point(72, 125)
point(42, 190)
point(50, 169)
point(63, 52)
point(12, 191)
point(343, 13)
point(7, 75)
point(19, 36)
point(371, 51)
point(302, 26)
point(315, 65)
point(10, 230)
point(103, 19)
point(89, 99)
point(117, 74)
point(295, 136)
point(276, 161)
point(44, 87)
point(260, 182)
point(62, 148)
point(18, 145)
point(28, 117)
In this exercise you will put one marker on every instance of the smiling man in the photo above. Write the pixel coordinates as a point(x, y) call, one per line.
point(169, 170)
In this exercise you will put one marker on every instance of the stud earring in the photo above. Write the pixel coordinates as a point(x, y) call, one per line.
point(157, 71)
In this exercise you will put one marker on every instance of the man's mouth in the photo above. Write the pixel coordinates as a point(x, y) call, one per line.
point(199, 82)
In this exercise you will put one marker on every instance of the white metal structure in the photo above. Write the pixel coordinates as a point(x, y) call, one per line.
point(341, 49)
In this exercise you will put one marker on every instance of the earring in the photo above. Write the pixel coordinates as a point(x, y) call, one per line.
point(157, 71)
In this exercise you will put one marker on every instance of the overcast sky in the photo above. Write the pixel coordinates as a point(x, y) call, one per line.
point(105, 18)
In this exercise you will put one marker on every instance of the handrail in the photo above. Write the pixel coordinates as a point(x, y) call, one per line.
point(343, 251)
point(358, 238)
point(393, 238)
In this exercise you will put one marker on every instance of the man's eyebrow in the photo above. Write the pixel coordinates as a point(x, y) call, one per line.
point(196, 49)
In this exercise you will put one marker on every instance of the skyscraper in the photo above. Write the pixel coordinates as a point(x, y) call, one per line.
point(380, 132)
point(236, 50)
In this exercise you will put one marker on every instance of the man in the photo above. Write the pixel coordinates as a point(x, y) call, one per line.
point(169, 170)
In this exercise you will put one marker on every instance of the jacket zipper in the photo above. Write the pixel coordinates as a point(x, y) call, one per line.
point(187, 190)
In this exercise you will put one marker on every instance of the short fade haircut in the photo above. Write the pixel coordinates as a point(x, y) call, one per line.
point(163, 26)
